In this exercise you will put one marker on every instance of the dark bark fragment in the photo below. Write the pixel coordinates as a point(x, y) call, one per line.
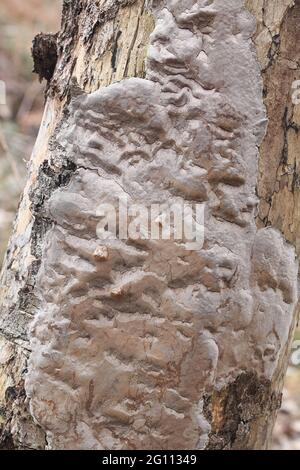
point(44, 54)
point(238, 411)
point(30, 434)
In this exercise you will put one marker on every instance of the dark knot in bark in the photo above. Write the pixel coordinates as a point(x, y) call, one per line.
point(44, 53)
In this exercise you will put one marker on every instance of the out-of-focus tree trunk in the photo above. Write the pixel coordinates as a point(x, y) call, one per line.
point(144, 344)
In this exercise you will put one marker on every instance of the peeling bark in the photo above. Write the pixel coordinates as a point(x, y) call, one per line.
point(240, 414)
point(150, 345)
point(44, 54)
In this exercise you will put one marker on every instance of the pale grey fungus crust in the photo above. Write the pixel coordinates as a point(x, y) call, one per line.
point(131, 336)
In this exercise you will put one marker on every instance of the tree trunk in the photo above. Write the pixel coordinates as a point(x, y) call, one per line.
point(142, 343)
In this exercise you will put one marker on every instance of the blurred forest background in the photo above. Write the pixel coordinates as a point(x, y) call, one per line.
point(20, 118)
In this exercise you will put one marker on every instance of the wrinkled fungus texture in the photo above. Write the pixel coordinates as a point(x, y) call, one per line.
point(130, 337)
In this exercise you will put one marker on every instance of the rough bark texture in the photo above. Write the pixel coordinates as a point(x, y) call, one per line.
point(152, 345)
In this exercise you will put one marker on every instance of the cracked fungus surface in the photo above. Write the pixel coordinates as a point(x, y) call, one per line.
point(126, 345)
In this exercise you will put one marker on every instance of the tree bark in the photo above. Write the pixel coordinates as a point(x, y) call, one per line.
point(146, 344)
